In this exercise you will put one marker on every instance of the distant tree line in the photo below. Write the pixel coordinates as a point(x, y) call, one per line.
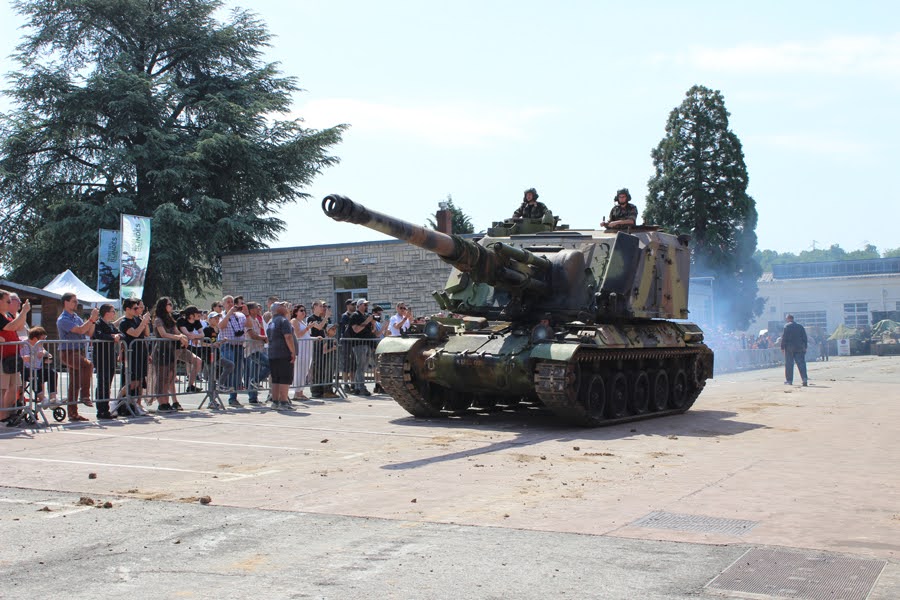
point(767, 258)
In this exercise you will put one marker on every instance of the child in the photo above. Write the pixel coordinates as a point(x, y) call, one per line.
point(39, 365)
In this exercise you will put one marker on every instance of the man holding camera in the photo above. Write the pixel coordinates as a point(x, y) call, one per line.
point(363, 327)
point(231, 334)
point(255, 357)
point(321, 372)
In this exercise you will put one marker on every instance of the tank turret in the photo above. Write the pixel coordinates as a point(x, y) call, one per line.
point(576, 320)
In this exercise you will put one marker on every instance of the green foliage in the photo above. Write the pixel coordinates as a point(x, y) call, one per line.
point(148, 108)
point(891, 253)
point(767, 258)
point(700, 188)
point(460, 222)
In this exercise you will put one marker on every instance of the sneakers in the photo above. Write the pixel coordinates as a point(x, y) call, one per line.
point(254, 401)
point(379, 389)
point(164, 407)
point(805, 384)
point(280, 405)
point(788, 383)
point(192, 389)
point(176, 406)
point(235, 403)
point(328, 395)
point(106, 416)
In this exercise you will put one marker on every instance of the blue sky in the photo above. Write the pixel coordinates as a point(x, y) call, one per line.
point(484, 99)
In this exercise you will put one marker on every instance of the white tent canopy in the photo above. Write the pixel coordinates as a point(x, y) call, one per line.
point(68, 282)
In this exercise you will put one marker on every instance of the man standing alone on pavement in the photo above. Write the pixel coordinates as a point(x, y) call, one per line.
point(793, 345)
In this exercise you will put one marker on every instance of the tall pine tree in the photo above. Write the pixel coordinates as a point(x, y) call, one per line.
point(700, 188)
point(152, 108)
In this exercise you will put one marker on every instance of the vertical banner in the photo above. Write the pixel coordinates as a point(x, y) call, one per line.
point(108, 253)
point(135, 239)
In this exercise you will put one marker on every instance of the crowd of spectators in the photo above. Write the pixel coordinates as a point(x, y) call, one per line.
point(241, 346)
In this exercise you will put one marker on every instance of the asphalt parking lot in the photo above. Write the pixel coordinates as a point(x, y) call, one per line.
point(354, 498)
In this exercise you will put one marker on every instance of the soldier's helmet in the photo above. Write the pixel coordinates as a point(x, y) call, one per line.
point(525, 195)
point(622, 191)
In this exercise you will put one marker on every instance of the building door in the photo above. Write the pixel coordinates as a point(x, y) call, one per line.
point(348, 287)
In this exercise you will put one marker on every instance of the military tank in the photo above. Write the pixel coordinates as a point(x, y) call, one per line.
point(579, 321)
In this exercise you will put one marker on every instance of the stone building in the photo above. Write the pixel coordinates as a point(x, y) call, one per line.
point(385, 272)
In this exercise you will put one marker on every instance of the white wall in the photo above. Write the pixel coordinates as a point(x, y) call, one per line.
point(880, 292)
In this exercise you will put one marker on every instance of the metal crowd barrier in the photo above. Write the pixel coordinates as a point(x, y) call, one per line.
point(728, 361)
point(356, 364)
point(71, 376)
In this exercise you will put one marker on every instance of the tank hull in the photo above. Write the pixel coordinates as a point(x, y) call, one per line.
point(610, 374)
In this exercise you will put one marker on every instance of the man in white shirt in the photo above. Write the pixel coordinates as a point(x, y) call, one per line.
point(401, 321)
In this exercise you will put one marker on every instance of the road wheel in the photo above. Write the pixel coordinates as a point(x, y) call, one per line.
point(617, 401)
point(640, 393)
point(659, 396)
point(678, 397)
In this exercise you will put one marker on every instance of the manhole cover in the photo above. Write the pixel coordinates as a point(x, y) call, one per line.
point(799, 575)
point(698, 523)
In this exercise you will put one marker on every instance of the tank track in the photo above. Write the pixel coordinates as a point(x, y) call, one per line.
point(397, 382)
point(557, 383)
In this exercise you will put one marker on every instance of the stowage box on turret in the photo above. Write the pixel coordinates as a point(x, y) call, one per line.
point(579, 321)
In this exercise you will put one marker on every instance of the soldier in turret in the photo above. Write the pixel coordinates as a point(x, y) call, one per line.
point(531, 208)
point(624, 213)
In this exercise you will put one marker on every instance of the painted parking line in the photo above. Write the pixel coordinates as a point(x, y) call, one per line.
point(229, 475)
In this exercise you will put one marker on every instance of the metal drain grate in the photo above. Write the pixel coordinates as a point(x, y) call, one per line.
point(698, 523)
point(799, 575)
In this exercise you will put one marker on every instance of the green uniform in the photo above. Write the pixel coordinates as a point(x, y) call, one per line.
point(529, 211)
point(620, 212)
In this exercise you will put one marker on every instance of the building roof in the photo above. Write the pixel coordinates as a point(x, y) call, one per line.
point(472, 236)
point(28, 290)
point(837, 268)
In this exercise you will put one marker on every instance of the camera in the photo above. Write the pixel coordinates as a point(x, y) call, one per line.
point(376, 317)
point(238, 333)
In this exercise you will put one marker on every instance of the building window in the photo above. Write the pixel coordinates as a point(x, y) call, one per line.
point(349, 287)
point(812, 319)
point(856, 314)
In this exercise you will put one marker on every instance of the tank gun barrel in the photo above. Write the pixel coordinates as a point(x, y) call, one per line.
point(341, 208)
point(493, 266)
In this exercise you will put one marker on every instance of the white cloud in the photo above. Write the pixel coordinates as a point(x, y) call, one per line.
point(440, 124)
point(863, 54)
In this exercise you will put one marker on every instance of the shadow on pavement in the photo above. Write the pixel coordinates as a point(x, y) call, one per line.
point(537, 426)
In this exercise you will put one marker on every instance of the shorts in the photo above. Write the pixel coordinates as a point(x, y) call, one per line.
point(184, 355)
point(282, 371)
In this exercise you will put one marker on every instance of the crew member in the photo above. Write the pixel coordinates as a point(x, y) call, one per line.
point(531, 208)
point(623, 214)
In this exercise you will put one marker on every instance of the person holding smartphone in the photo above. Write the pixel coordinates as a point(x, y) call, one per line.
point(231, 335)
